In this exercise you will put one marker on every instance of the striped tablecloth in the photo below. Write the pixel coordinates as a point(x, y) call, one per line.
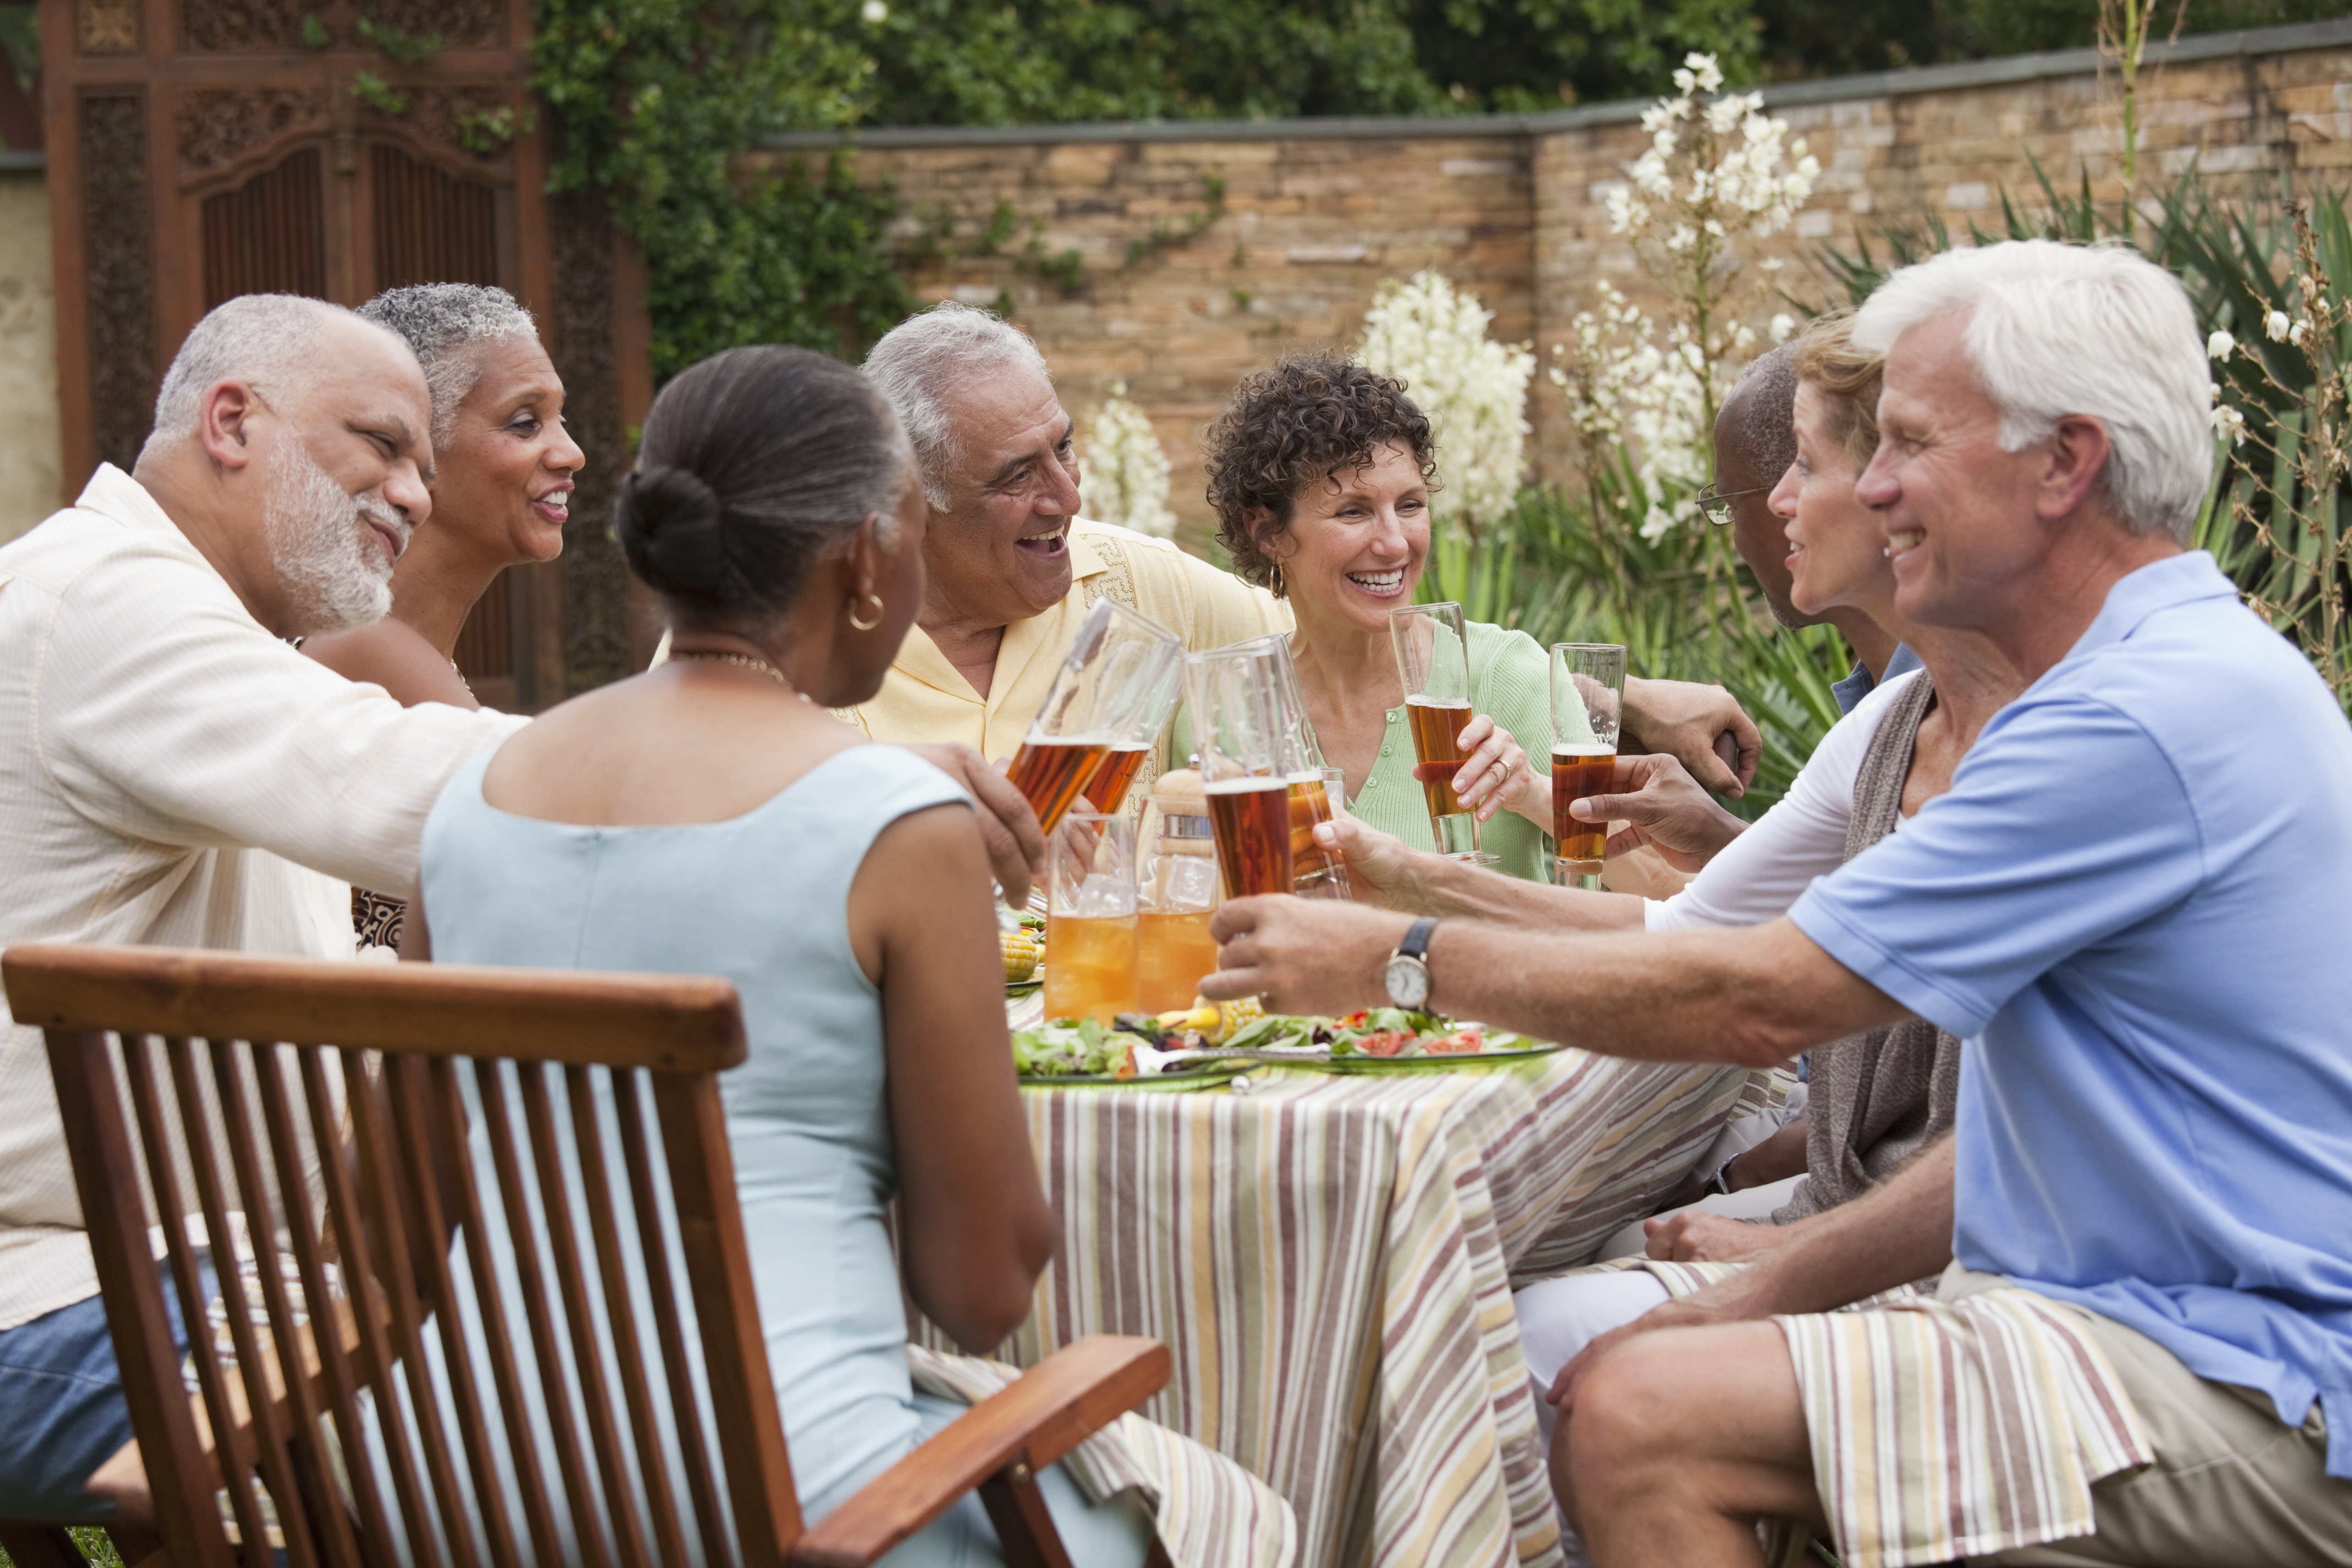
point(1332, 1259)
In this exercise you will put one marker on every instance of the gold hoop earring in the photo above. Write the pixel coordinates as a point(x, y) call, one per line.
point(1275, 585)
point(867, 625)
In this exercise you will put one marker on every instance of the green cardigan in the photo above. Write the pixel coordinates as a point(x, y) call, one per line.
point(1510, 679)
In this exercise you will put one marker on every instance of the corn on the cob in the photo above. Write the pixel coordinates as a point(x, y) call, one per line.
point(1216, 1022)
point(1022, 953)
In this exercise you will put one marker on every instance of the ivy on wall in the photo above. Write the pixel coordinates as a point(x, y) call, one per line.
point(651, 104)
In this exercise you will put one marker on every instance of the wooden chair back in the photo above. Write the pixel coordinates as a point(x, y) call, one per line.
point(322, 1113)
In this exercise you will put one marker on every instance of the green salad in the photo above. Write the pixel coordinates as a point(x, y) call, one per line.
point(1088, 1048)
point(1076, 1047)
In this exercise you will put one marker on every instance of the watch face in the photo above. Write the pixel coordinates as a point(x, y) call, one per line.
point(1408, 981)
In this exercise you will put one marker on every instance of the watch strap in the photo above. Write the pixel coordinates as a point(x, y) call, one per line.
point(1416, 939)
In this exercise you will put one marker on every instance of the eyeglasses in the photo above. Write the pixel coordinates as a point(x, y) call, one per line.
point(1717, 504)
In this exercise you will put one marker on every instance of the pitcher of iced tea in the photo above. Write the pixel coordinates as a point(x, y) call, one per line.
point(1176, 892)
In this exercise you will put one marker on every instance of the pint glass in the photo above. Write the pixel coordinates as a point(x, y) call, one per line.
point(1108, 681)
point(1106, 790)
point(1090, 917)
point(1176, 892)
point(1588, 706)
point(1315, 872)
point(1433, 661)
point(1242, 718)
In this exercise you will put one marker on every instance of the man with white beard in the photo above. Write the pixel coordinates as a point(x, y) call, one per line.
point(173, 774)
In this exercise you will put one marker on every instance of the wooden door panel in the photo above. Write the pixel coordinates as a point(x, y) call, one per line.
point(430, 227)
point(203, 149)
point(269, 234)
point(116, 312)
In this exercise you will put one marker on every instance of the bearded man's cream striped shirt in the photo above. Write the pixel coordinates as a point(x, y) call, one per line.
point(172, 775)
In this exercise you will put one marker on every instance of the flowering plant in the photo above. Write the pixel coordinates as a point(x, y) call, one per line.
point(1715, 172)
point(2285, 495)
point(1126, 472)
point(1433, 337)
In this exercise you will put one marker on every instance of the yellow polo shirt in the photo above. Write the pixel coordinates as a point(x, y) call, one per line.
point(925, 698)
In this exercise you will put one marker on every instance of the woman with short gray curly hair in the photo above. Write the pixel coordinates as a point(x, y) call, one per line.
point(504, 466)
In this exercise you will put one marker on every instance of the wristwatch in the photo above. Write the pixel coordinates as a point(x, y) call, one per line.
point(1407, 975)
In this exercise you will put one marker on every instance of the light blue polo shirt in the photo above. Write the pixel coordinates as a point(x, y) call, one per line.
point(2132, 906)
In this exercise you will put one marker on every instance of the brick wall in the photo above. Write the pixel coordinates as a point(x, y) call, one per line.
point(1316, 213)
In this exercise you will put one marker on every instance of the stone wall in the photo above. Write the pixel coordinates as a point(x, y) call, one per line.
point(1206, 249)
point(1314, 215)
point(30, 459)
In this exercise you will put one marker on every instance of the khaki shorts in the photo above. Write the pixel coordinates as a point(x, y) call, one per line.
point(2232, 1486)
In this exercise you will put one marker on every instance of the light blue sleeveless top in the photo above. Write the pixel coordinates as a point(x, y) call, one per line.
point(760, 899)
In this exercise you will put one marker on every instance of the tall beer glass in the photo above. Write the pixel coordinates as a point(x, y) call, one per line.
point(1090, 917)
point(1316, 872)
point(1105, 686)
point(1106, 790)
point(1433, 661)
point(1243, 729)
point(1588, 706)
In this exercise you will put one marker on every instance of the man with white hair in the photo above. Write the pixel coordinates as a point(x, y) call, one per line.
point(1011, 569)
point(2141, 1349)
point(173, 774)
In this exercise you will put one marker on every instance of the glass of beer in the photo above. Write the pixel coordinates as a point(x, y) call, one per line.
point(1316, 872)
point(1108, 681)
point(1115, 774)
point(1090, 909)
point(1176, 892)
point(1588, 705)
point(1433, 661)
point(1246, 733)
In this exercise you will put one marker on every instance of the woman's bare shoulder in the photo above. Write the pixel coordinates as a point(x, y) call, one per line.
point(392, 654)
point(639, 751)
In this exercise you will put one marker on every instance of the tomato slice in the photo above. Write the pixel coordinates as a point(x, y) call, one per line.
point(1385, 1043)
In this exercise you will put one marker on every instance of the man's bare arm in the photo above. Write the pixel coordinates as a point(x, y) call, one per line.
point(1385, 871)
point(1897, 1233)
point(1755, 996)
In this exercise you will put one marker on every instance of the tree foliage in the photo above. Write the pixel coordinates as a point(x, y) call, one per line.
point(654, 104)
point(1832, 37)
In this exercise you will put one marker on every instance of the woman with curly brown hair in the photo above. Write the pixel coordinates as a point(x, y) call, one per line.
point(1320, 471)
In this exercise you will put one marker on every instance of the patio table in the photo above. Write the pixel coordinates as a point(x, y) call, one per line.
point(1330, 1258)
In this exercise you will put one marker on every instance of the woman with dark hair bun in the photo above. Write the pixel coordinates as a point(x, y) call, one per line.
point(710, 817)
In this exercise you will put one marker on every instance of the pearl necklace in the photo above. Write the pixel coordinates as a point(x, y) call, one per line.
point(745, 661)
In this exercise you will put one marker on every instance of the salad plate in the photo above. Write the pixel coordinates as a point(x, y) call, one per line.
point(1075, 1052)
point(1140, 1052)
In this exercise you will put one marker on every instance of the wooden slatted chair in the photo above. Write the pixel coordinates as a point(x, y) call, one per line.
point(213, 1085)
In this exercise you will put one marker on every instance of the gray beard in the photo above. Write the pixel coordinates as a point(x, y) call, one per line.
point(322, 546)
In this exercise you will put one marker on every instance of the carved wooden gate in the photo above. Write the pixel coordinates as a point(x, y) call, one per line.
point(203, 149)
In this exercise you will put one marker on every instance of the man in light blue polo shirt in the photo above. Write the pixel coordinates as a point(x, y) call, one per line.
point(2129, 903)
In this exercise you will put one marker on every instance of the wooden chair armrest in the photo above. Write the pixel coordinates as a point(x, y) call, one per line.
point(1056, 1405)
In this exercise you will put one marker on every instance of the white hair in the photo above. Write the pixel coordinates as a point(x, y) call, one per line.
point(925, 360)
point(270, 342)
point(2056, 330)
point(444, 323)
